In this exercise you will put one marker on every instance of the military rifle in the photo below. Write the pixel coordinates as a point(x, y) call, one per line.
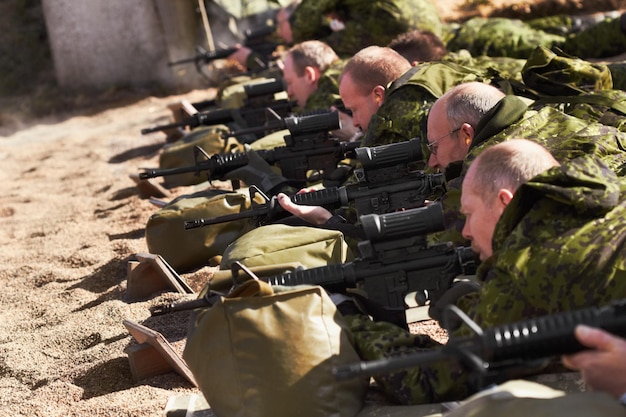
point(258, 94)
point(490, 352)
point(255, 39)
point(308, 146)
point(386, 183)
point(397, 268)
point(250, 115)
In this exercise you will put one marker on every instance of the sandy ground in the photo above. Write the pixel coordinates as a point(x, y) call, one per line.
point(71, 219)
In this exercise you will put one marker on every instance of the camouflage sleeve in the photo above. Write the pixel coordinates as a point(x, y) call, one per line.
point(402, 117)
point(308, 20)
point(601, 40)
point(500, 37)
point(326, 95)
point(432, 382)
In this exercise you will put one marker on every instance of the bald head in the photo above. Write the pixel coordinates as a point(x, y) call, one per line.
point(454, 117)
point(375, 65)
point(507, 165)
point(364, 79)
point(490, 184)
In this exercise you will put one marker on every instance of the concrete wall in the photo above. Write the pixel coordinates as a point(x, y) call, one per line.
point(112, 43)
point(100, 44)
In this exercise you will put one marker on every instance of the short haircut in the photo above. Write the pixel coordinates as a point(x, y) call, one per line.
point(508, 165)
point(312, 54)
point(375, 65)
point(470, 102)
point(419, 46)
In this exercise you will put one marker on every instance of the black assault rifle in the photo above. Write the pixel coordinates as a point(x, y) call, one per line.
point(255, 39)
point(309, 146)
point(396, 268)
point(258, 94)
point(386, 183)
point(251, 115)
point(490, 352)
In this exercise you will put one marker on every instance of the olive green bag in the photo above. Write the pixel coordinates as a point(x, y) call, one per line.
point(279, 244)
point(184, 249)
point(264, 351)
point(183, 153)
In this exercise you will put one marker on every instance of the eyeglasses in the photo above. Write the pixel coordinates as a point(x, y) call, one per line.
point(432, 146)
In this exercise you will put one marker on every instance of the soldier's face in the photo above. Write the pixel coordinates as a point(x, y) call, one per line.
point(363, 107)
point(445, 141)
point(481, 217)
point(299, 88)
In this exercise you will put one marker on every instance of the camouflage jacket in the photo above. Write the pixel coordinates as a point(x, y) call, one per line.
point(559, 245)
point(565, 136)
point(365, 22)
point(499, 36)
point(403, 114)
point(327, 92)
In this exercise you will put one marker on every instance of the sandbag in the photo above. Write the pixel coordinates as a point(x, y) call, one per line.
point(278, 244)
point(186, 250)
point(181, 153)
point(267, 352)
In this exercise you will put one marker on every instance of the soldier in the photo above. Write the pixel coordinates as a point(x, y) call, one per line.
point(473, 116)
point(311, 71)
point(419, 46)
point(585, 37)
point(349, 25)
point(558, 244)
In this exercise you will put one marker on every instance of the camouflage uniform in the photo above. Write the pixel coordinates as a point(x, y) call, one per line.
point(403, 114)
point(499, 36)
point(559, 245)
point(327, 92)
point(565, 136)
point(366, 22)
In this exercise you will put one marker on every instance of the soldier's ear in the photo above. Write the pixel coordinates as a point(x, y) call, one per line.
point(379, 95)
point(504, 197)
point(312, 74)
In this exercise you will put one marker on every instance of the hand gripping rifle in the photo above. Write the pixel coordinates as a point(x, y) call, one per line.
point(255, 39)
point(488, 352)
point(386, 183)
point(251, 114)
point(308, 147)
point(397, 268)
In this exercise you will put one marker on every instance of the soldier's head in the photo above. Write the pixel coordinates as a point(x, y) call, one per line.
point(419, 46)
point(489, 185)
point(364, 79)
point(453, 118)
point(303, 66)
point(283, 21)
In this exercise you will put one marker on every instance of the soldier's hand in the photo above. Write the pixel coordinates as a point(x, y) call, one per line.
point(311, 214)
point(240, 55)
point(603, 367)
